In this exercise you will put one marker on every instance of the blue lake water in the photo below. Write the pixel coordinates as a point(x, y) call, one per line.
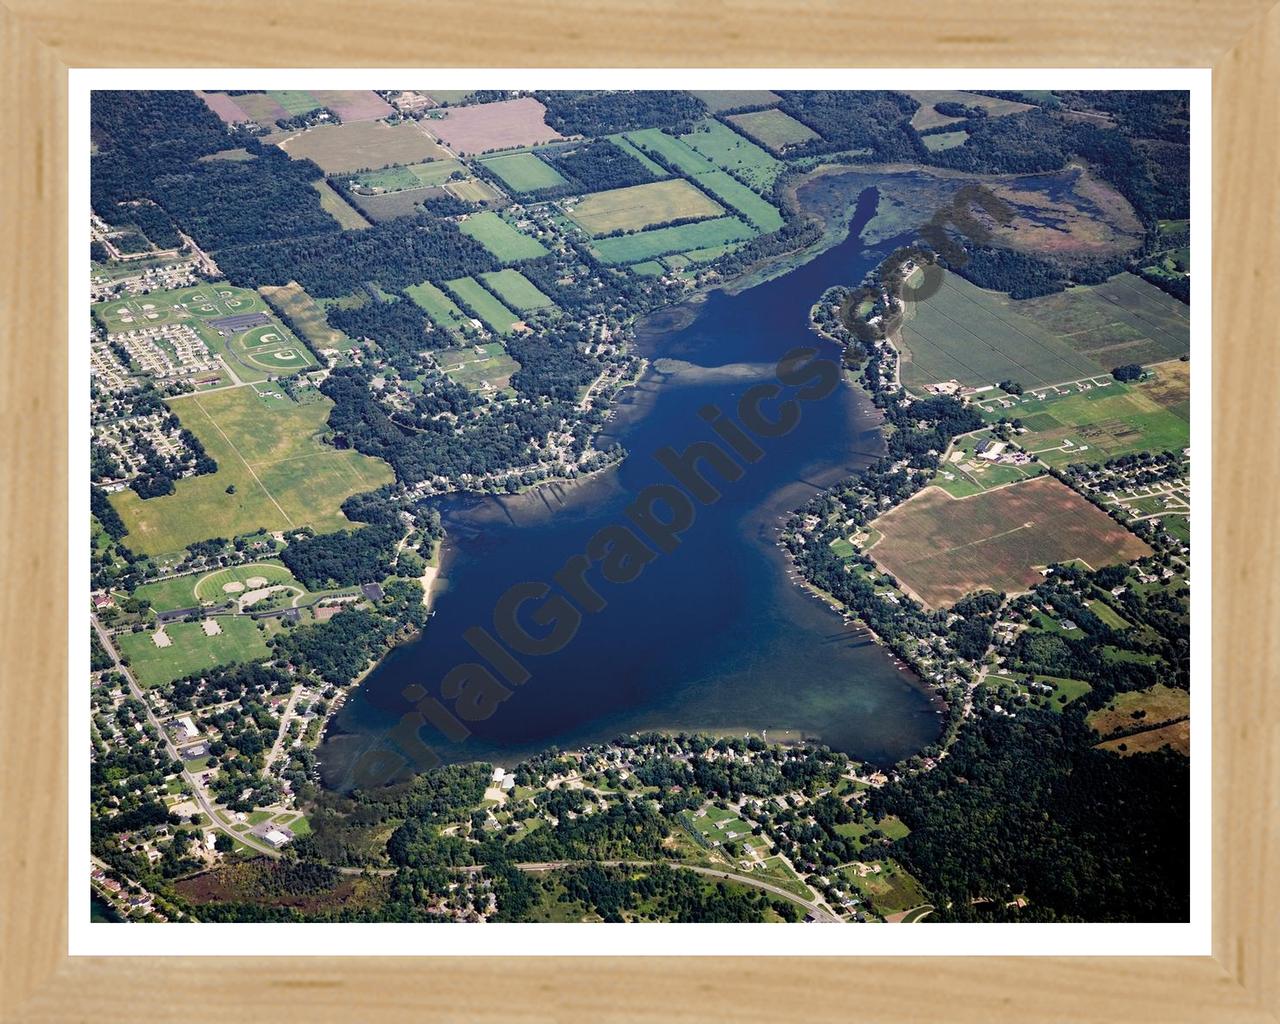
point(713, 635)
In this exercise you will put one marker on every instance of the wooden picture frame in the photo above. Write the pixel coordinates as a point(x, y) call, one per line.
point(1239, 39)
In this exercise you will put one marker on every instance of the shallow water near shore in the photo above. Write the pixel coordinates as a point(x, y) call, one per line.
point(715, 634)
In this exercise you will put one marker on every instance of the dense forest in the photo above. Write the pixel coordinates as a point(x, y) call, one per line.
point(602, 113)
point(1027, 807)
point(342, 558)
point(599, 164)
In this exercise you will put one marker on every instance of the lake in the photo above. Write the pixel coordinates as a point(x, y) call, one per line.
point(714, 635)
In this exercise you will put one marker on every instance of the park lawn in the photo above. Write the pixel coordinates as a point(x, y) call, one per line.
point(524, 172)
point(191, 650)
point(641, 206)
point(645, 245)
point(258, 817)
point(442, 310)
point(515, 290)
point(270, 451)
point(842, 548)
point(300, 826)
point(773, 129)
point(306, 314)
point(167, 595)
point(469, 292)
point(500, 238)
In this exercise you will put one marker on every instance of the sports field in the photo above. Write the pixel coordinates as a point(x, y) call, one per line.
point(524, 172)
point(734, 99)
point(507, 124)
point(640, 206)
point(306, 314)
point(1101, 423)
point(516, 290)
point(773, 129)
point(442, 310)
point(979, 337)
point(941, 548)
point(473, 296)
point(398, 179)
point(349, 147)
point(191, 649)
point(269, 448)
point(645, 245)
point(731, 152)
point(500, 238)
point(478, 367)
point(216, 587)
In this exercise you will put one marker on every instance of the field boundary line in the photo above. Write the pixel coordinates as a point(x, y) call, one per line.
point(232, 446)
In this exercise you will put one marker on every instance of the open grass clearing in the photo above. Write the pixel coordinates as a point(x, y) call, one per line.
point(516, 290)
point(270, 450)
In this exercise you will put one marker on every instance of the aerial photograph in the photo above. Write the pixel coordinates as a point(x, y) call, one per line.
point(740, 506)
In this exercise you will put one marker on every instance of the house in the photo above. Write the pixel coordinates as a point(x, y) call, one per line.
point(276, 837)
point(103, 600)
point(989, 449)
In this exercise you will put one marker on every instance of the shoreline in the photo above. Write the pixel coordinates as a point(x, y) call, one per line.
point(677, 316)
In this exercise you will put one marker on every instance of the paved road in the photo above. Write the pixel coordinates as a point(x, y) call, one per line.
point(192, 782)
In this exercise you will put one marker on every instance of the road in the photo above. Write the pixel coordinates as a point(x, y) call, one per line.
point(192, 782)
point(819, 912)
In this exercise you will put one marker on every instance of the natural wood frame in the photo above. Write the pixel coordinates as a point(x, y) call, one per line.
point(1240, 39)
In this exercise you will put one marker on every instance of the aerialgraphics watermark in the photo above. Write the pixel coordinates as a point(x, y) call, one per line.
point(537, 618)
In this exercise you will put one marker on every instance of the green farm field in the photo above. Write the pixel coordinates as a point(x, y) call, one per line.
point(731, 152)
point(191, 650)
point(773, 129)
point(471, 294)
point(350, 147)
point(516, 290)
point(942, 548)
point(1104, 422)
point(500, 238)
point(442, 310)
point(293, 301)
point(965, 333)
point(524, 172)
point(640, 206)
point(645, 245)
point(269, 449)
point(709, 176)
